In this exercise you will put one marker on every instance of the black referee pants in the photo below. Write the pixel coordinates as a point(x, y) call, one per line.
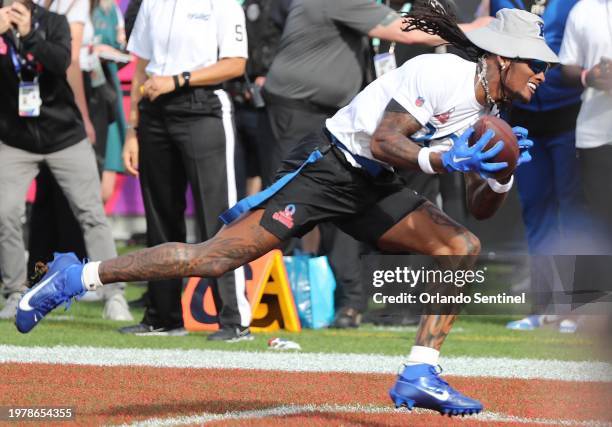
point(188, 137)
point(290, 124)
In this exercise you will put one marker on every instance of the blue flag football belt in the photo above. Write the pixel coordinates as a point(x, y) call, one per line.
point(371, 166)
point(255, 200)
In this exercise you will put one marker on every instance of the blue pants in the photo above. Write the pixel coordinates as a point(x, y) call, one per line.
point(550, 193)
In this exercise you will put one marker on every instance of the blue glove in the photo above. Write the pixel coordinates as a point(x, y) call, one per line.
point(523, 143)
point(463, 158)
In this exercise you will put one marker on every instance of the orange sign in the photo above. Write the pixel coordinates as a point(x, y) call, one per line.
point(268, 292)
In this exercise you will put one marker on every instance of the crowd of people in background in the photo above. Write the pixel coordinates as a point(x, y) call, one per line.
point(222, 91)
point(55, 120)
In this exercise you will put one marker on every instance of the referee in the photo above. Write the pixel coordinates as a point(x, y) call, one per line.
point(181, 130)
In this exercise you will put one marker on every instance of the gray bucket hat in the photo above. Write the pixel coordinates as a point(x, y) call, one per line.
point(514, 33)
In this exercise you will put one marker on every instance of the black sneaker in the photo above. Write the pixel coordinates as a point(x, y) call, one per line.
point(142, 329)
point(347, 317)
point(231, 334)
point(389, 317)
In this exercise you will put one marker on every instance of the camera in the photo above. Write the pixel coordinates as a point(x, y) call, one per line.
point(256, 97)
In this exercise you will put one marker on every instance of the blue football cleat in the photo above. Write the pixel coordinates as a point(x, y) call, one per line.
point(419, 386)
point(59, 285)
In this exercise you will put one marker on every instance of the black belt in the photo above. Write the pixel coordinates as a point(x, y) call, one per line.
point(184, 93)
point(196, 88)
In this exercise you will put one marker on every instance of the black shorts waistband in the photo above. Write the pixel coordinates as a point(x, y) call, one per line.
point(373, 167)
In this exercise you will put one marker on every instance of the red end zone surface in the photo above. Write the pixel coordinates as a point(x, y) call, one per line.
point(114, 395)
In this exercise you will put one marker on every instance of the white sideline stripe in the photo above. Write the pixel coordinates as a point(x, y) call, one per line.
point(244, 309)
point(304, 362)
point(286, 410)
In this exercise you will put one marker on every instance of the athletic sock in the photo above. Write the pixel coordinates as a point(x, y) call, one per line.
point(549, 318)
point(89, 276)
point(420, 354)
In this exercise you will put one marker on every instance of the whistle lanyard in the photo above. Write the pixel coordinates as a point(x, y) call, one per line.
point(17, 61)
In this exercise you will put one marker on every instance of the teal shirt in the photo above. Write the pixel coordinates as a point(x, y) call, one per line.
point(105, 24)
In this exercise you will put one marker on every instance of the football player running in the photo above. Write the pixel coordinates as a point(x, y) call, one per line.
point(417, 116)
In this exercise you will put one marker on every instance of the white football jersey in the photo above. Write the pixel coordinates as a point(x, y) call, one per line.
point(437, 89)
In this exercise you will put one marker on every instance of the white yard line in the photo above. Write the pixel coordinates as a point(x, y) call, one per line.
point(304, 362)
point(286, 410)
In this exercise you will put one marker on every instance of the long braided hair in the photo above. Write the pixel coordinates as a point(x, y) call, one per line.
point(431, 17)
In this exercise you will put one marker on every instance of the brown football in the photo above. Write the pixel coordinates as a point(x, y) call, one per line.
point(503, 132)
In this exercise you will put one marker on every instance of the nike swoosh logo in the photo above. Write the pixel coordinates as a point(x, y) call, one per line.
point(24, 304)
point(440, 396)
point(460, 159)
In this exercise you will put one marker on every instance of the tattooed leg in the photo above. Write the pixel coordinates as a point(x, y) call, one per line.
point(429, 231)
point(231, 248)
point(433, 330)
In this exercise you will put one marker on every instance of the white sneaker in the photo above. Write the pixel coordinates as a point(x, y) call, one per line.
point(568, 326)
point(91, 296)
point(116, 308)
point(10, 308)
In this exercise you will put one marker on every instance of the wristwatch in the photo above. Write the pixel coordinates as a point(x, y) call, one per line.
point(186, 77)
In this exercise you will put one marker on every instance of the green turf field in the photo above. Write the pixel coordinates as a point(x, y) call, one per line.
point(479, 336)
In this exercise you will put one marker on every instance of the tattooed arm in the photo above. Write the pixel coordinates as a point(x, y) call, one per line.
point(481, 200)
point(391, 144)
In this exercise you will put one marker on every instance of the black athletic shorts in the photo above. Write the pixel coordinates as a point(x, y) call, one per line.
point(332, 190)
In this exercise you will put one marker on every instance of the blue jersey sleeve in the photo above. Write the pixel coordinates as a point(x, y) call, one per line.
point(505, 4)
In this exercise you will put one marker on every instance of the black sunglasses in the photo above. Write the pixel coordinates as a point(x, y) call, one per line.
point(536, 65)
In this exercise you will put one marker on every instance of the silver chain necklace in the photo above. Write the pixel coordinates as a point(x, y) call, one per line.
point(482, 79)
